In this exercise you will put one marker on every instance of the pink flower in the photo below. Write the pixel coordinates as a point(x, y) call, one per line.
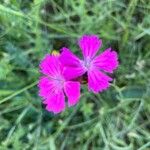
point(93, 65)
point(53, 85)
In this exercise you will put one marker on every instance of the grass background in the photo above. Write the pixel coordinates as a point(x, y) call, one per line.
point(117, 119)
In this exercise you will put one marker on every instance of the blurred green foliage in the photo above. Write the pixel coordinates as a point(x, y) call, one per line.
point(117, 119)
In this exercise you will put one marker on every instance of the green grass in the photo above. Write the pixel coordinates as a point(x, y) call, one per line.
point(117, 119)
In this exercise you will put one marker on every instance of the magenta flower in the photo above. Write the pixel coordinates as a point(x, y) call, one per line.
point(53, 85)
point(93, 65)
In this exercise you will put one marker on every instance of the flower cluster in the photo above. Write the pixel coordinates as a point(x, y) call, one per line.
point(61, 73)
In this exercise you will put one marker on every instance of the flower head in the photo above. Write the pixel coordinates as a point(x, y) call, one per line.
point(93, 65)
point(54, 85)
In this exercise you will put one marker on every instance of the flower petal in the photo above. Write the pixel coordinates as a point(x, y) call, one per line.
point(56, 103)
point(67, 58)
point(50, 65)
point(89, 45)
point(46, 87)
point(97, 81)
point(72, 90)
point(71, 73)
point(72, 64)
point(107, 60)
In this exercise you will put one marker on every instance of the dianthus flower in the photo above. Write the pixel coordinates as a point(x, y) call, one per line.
point(62, 73)
point(92, 65)
point(54, 85)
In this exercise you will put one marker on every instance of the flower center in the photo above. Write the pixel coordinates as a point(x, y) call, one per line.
point(59, 82)
point(86, 63)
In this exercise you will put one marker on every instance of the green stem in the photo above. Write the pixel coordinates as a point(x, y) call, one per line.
point(18, 92)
